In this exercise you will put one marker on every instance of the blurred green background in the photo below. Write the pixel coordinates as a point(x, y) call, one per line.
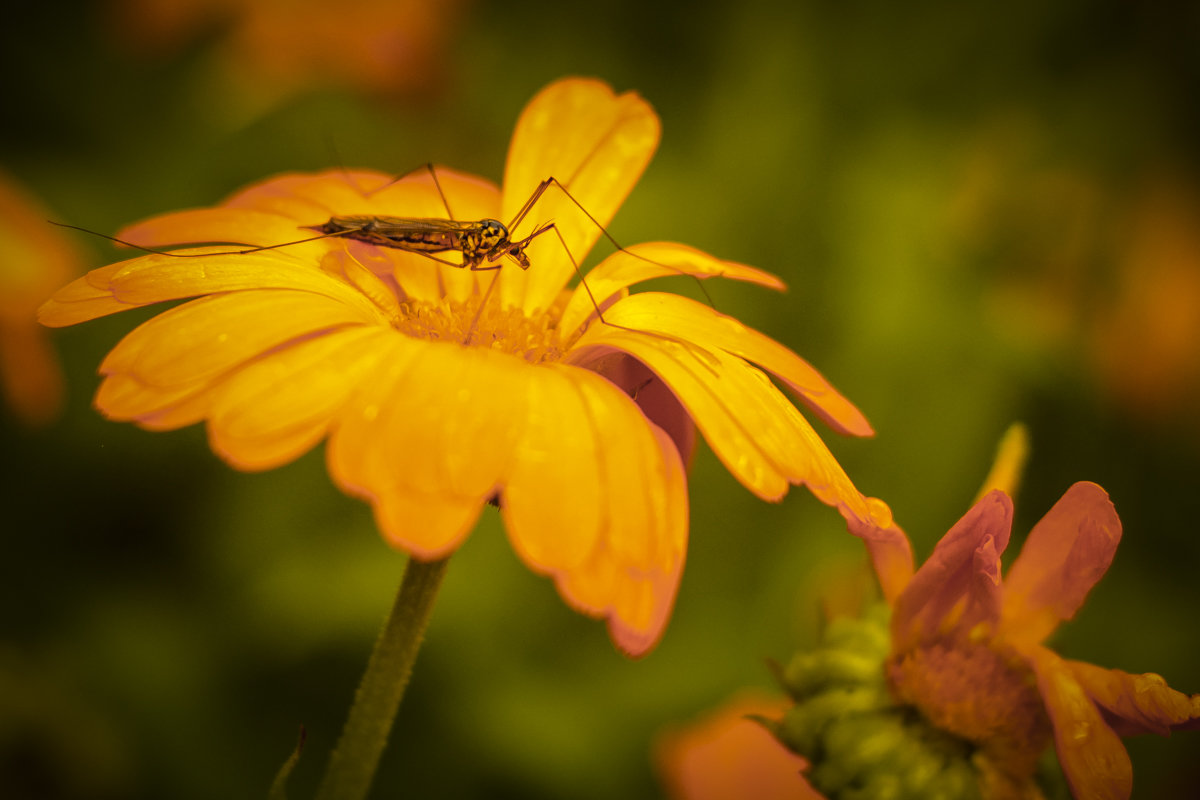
point(984, 212)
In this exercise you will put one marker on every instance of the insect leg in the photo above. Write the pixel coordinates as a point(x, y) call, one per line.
point(552, 181)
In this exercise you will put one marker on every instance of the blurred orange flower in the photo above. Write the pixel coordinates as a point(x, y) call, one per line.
point(967, 650)
point(34, 259)
point(729, 756)
point(440, 389)
point(386, 46)
point(1145, 339)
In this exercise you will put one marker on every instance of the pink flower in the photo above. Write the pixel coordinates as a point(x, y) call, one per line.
point(968, 647)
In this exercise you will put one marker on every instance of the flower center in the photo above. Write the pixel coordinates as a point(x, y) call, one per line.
point(976, 693)
point(508, 330)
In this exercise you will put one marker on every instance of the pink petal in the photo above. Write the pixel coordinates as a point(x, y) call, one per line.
point(1137, 703)
point(1091, 754)
point(950, 580)
point(1067, 552)
point(890, 552)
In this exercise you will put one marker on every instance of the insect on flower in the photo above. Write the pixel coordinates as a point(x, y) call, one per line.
point(482, 244)
point(440, 383)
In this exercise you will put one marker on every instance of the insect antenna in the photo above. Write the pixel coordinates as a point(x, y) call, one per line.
point(249, 248)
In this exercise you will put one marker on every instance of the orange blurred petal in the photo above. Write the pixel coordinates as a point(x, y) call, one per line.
point(1091, 754)
point(597, 143)
point(1066, 553)
point(1137, 703)
point(35, 258)
point(30, 378)
point(726, 756)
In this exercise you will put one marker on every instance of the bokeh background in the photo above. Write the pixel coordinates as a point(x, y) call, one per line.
point(985, 213)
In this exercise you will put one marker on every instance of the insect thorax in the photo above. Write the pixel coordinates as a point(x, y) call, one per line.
point(484, 237)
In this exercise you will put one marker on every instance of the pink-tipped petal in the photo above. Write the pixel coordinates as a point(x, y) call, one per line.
point(684, 318)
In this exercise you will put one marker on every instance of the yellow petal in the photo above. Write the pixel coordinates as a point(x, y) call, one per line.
point(433, 425)
point(462, 196)
point(1011, 456)
point(733, 420)
point(633, 576)
point(1092, 757)
point(597, 143)
point(206, 337)
point(1066, 553)
point(759, 436)
point(152, 279)
point(254, 453)
point(553, 494)
point(427, 526)
point(682, 318)
point(597, 498)
point(82, 299)
point(641, 262)
point(311, 198)
point(125, 398)
point(637, 606)
point(276, 408)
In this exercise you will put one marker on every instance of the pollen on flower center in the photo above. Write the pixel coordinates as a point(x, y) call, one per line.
point(974, 692)
point(509, 330)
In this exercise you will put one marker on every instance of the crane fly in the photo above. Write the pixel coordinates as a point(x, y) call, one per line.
point(483, 245)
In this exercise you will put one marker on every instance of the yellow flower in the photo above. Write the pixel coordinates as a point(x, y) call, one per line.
point(440, 389)
point(967, 650)
point(34, 259)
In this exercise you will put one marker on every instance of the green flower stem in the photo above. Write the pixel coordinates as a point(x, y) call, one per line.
point(352, 765)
